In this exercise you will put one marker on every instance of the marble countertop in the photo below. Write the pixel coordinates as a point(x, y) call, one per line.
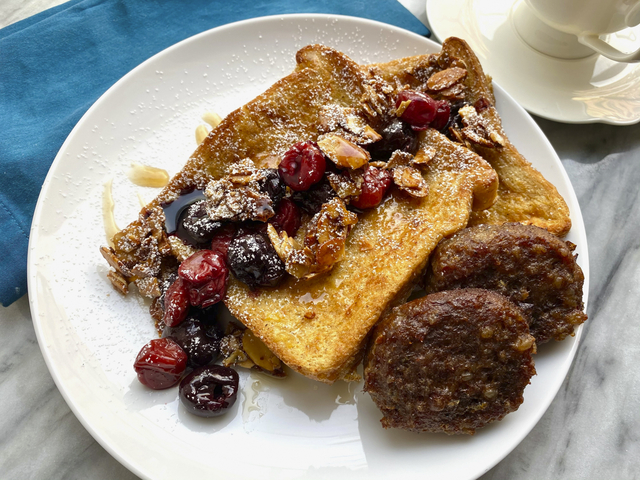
point(590, 431)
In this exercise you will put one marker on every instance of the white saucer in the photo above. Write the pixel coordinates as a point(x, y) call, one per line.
point(587, 90)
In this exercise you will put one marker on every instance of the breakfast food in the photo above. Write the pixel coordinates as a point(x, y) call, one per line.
point(524, 195)
point(449, 362)
point(346, 267)
point(312, 211)
point(527, 264)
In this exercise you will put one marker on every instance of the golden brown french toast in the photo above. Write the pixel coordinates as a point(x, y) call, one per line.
point(318, 326)
point(524, 195)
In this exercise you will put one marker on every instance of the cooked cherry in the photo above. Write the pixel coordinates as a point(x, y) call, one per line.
point(202, 267)
point(254, 261)
point(441, 119)
point(176, 303)
point(160, 363)
point(273, 185)
point(302, 166)
point(209, 391)
point(221, 240)
point(200, 342)
point(375, 185)
point(311, 201)
point(287, 217)
point(481, 104)
point(195, 226)
point(396, 135)
point(420, 111)
point(455, 120)
point(205, 272)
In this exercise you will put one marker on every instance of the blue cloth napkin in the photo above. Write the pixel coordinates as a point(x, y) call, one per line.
point(55, 65)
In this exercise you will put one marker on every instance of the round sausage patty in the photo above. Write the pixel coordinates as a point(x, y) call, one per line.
point(534, 268)
point(449, 362)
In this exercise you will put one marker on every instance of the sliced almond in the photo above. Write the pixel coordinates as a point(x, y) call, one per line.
point(149, 287)
point(455, 92)
point(346, 185)
point(343, 153)
point(424, 155)
point(179, 249)
point(410, 180)
point(399, 159)
point(446, 78)
point(119, 282)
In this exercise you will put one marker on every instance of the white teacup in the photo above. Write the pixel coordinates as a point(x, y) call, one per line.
point(586, 19)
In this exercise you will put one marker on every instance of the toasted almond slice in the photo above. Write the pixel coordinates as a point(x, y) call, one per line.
point(446, 78)
point(343, 153)
point(424, 155)
point(119, 282)
point(410, 181)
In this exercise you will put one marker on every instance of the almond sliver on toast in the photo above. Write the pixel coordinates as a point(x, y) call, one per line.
point(524, 195)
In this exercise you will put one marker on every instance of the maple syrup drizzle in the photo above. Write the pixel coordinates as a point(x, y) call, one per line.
point(146, 176)
point(108, 218)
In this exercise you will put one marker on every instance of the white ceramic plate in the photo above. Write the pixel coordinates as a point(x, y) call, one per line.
point(90, 335)
point(587, 90)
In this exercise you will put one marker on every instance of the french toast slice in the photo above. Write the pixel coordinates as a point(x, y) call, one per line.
point(318, 326)
point(524, 195)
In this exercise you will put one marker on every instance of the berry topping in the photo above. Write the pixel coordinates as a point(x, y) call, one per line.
point(302, 166)
point(311, 201)
point(201, 267)
point(441, 119)
point(375, 185)
point(195, 226)
point(254, 261)
point(397, 135)
point(160, 363)
point(209, 391)
point(200, 342)
point(273, 185)
point(205, 272)
point(287, 217)
point(417, 109)
point(176, 303)
point(221, 240)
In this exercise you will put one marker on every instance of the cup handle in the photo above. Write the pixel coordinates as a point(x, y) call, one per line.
point(603, 48)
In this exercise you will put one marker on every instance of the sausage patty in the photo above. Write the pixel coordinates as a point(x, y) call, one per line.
point(449, 362)
point(534, 268)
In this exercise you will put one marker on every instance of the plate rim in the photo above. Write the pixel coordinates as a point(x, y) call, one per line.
point(34, 234)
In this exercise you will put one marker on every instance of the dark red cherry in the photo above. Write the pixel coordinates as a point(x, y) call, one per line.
point(375, 185)
point(441, 119)
point(209, 391)
point(302, 166)
point(205, 273)
point(420, 109)
point(287, 217)
point(160, 363)
point(176, 303)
